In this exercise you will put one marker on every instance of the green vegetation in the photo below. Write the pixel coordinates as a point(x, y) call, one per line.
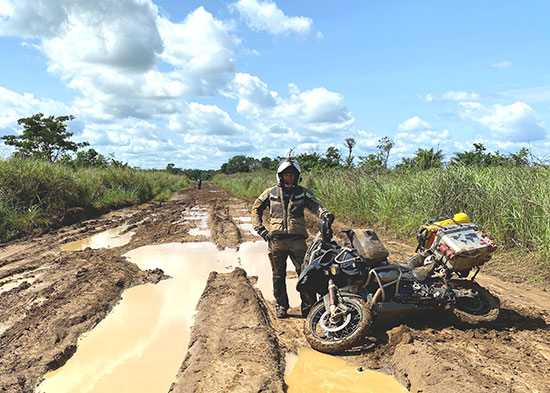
point(511, 204)
point(36, 193)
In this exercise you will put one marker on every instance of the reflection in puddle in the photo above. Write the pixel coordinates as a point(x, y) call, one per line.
point(244, 225)
point(141, 344)
point(109, 238)
point(253, 259)
point(314, 372)
point(202, 226)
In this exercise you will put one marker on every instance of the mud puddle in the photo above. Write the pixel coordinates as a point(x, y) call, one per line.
point(115, 237)
point(312, 371)
point(140, 345)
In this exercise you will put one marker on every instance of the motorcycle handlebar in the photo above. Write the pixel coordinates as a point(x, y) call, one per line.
point(325, 227)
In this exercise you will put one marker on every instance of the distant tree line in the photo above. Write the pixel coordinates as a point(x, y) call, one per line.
point(421, 159)
point(191, 173)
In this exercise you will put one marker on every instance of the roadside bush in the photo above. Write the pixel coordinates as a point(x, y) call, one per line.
point(33, 192)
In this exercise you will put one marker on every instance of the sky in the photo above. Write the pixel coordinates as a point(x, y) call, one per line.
point(195, 83)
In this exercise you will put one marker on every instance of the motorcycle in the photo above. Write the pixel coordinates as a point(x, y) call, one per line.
point(357, 284)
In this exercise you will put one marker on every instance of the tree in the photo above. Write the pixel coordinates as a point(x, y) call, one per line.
point(332, 158)
point(477, 157)
point(309, 161)
point(268, 163)
point(350, 144)
point(240, 163)
point(171, 168)
point(372, 161)
point(45, 138)
point(384, 147)
point(423, 159)
point(520, 158)
point(90, 158)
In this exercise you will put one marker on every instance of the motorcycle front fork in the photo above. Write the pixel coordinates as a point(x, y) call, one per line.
point(335, 302)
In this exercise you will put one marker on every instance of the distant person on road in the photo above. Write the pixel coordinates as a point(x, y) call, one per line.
point(199, 182)
point(287, 233)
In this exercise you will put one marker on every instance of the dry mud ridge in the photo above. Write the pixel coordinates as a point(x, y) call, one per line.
point(49, 297)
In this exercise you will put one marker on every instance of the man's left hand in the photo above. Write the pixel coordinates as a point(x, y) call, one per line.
point(328, 217)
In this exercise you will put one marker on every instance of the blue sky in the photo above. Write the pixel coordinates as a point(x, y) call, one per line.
point(194, 83)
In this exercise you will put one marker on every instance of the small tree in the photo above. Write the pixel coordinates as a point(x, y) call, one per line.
point(350, 144)
point(423, 159)
point(332, 158)
point(309, 161)
point(384, 146)
point(45, 138)
point(372, 161)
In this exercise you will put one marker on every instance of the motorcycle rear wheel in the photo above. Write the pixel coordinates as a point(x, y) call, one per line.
point(482, 308)
point(337, 336)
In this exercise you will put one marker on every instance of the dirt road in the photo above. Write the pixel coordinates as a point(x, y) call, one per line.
point(49, 297)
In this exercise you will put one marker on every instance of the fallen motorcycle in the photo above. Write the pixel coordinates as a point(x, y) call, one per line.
point(358, 284)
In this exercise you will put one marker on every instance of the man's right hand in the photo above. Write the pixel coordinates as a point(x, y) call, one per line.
point(264, 233)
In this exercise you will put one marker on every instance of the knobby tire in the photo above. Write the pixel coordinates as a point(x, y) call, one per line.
point(321, 343)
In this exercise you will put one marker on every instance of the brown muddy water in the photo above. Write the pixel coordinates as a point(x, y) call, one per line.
point(140, 345)
point(110, 238)
point(313, 372)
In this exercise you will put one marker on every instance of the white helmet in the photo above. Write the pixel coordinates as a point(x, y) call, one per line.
point(289, 165)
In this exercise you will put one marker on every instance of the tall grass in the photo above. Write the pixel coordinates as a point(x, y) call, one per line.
point(511, 204)
point(34, 193)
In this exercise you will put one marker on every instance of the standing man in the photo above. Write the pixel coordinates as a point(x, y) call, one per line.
point(287, 233)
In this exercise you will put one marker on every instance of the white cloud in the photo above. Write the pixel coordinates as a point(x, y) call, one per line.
point(530, 94)
point(109, 49)
point(315, 116)
point(413, 124)
point(265, 15)
point(201, 47)
point(517, 122)
point(115, 33)
point(200, 120)
point(253, 94)
point(501, 64)
point(317, 110)
point(14, 106)
point(452, 96)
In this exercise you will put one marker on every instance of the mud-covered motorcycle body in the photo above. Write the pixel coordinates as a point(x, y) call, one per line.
point(354, 290)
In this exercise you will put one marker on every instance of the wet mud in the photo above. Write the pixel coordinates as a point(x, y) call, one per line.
point(50, 297)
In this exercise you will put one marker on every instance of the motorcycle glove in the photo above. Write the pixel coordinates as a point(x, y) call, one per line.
point(328, 217)
point(264, 233)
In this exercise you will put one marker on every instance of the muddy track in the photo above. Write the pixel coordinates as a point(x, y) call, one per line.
point(49, 297)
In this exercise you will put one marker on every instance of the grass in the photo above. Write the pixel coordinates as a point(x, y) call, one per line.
point(34, 194)
point(512, 205)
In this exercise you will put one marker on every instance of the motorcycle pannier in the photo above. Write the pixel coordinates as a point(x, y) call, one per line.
point(463, 245)
point(370, 247)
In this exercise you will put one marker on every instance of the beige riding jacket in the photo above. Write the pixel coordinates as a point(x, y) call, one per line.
point(285, 217)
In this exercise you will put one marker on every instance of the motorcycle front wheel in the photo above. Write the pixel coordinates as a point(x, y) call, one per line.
point(476, 306)
point(344, 332)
